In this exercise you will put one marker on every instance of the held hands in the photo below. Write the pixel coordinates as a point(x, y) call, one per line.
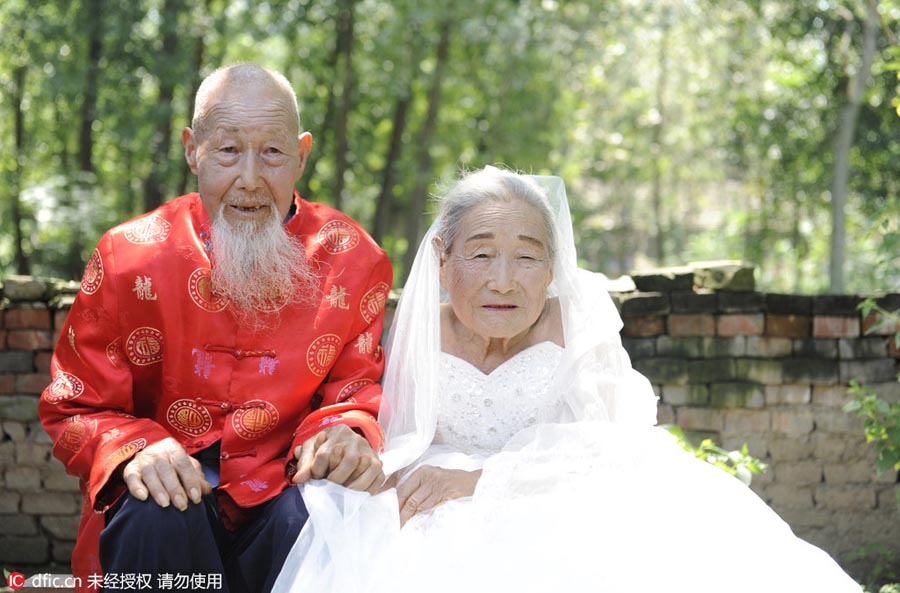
point(428, 486)
point(166, 472)
point(342, 456)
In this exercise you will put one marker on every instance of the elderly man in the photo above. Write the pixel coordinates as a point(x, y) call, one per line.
point(221, 348)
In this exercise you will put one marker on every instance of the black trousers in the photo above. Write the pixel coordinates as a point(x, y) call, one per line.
point(149, 548)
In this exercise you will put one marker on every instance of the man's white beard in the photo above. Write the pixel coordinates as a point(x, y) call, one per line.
point(259, 268)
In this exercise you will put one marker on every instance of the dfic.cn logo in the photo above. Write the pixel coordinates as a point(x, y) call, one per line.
point(15, 580)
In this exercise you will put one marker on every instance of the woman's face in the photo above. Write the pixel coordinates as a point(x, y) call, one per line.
point(498, 269)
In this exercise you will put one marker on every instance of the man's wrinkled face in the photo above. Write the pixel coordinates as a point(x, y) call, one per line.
point(248, 155)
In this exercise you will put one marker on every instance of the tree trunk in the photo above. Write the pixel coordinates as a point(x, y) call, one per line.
point(321, 136)
point(93, 13)
point(657, 138)
point(345, 42)
point(154, 184)
point(423, 143)
point(23, 264)
point(196, 68)
point(843, 143)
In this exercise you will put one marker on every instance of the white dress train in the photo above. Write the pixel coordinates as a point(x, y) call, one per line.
point(587, 506)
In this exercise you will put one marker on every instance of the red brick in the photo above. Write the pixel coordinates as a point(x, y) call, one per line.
point(32, 383)
point(740, 324)
point(788, 326)
point(888, 326)
point(59, 318)
point(7, 384)
point(681, 324)
point(42, 361)
point(29, 339)
point(832, 326)
point(2, 339)
point(643, 327)
point(26, 319)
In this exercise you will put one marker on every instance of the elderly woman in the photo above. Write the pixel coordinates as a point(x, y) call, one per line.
point(523, 441)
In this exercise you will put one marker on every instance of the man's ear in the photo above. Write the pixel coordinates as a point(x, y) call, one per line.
point(305, 145)
point(190, 149)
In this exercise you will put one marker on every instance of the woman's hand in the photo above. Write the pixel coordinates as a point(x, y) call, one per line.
point(428, 486)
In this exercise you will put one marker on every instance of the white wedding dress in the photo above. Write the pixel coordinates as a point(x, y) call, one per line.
point(588, 506)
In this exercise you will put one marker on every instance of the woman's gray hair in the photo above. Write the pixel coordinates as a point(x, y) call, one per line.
point(491, 184)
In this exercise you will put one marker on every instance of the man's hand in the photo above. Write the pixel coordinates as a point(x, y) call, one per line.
point(428, 486)
point(166, 472)
point(341, 456)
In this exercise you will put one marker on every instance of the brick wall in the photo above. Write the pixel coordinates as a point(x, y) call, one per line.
point(770, 370)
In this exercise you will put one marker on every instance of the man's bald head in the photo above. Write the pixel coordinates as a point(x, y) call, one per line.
point(242, 77)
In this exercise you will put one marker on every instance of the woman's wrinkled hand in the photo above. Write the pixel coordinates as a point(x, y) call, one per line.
point(428, 486)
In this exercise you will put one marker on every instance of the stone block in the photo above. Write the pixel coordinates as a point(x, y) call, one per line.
point(19, 525)
point(16, 361)
point(768, 347)
point(665, 414)
point(861, 472)
point(691, 347)
point(676, 278)
point(830, 396)
point(845, 497)
point(788, 304)
point(717, 347)
point(724, 275)
point(737, 395)
point(62, 551)
point(685, 395)
point(15, 431)
point(810, 370)
point(644, 304)
point(813, 348)
point(7, 384)
point(60, 315)
point(23, 478)
point(51, 503)
point(836, 304)
point(29, 339)
point(22, 408)
point(748, 421)
point(42, 362)
point(9, 502)
point(665, 371)
point(784, 447)
point(693, 302)
point(888, 391)
point(886, 498)
point(837, 421)
point(18, 288)
point(799, 517)
point(37, 434)
point(695, 418)
point(793, 422)
point(61, 527)
point(788, 326)
point(24, 549)
point(639, 347)
point(741, 302)
point(862, 348)
point(691, 324)
point(788, 395)
point(7, 454)
point(806, 472)
point(34, 454)
point(868, 371)
point(835, 326)
point(37, 317)
point(740, 324)
point(789, 496)
point(55, 479)
point(893, 349)
point(766, 372)
point(711, 370)
point(643, 327)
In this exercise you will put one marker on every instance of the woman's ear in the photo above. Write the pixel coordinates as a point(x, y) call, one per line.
point(438, 245)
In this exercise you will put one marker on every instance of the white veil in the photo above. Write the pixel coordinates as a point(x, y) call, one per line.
point(595, 373)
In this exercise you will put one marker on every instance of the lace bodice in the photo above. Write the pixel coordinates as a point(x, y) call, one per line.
point(478, 413)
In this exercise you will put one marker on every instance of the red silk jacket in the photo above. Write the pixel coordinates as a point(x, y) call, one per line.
point(148, 352)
